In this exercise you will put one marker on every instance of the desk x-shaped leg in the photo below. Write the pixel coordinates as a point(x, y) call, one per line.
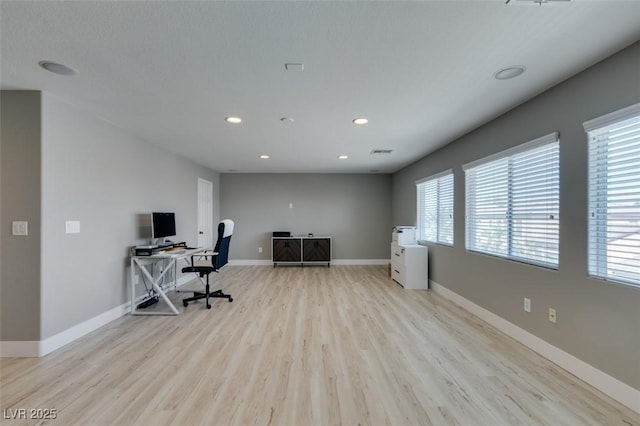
point(154, 284)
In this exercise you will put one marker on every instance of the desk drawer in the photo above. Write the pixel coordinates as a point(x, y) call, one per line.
point(397, 254)
point(398, 274)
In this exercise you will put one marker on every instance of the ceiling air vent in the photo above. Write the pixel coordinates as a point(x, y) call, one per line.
point(381, 151)
point(290, 66)
point(538, 2)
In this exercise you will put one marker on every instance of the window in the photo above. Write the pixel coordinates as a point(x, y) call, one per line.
point(512, 203)
point(614, 196)
point(435, 208)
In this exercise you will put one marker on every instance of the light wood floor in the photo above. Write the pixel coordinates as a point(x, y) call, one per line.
point(305, 346)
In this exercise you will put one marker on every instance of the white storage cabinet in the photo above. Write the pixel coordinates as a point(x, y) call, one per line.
point(409, 266)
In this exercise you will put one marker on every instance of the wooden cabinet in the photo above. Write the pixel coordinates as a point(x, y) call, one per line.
point(301, 250)
point(409, 266)
point(316, 249)
point(286, 250)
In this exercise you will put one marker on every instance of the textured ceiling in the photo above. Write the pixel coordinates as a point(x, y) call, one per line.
point(170, 72)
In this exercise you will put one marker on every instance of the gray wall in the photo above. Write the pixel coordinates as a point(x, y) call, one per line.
point(60, 164)
point(354, 209)
point(598, 321)
point(20, 200)
point(105, 178)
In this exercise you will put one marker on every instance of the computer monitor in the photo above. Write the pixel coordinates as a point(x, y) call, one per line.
point(162, 225)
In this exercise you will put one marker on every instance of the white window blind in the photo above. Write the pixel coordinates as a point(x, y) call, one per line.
point(512, 203)
point(435, 208)
point(614, 197)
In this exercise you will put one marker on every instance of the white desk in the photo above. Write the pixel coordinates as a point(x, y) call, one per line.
point(139, 263)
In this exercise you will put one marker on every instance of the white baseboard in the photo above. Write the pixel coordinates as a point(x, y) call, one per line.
point(357, 262)
point(31, 349)
point(250, 262)
point(41, 348)
point(57, 341)
point(605, 383)
point(336, 262)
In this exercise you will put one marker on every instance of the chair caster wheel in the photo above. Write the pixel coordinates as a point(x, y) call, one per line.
point(230, 299)
point(185, 304)
point(208, 306)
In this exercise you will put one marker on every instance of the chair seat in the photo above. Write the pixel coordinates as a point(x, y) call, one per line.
point(199, 269)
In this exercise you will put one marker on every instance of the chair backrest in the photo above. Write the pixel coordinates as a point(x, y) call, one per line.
point(225, 230)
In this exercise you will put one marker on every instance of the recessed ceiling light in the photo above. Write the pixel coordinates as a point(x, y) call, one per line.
point(360, 121)
point(509, 72)
point(57, 68)
point(343, 157)
point(233, 120)
point(264, 157)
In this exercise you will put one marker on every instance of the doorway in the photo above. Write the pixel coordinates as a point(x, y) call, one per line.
point(205, 213)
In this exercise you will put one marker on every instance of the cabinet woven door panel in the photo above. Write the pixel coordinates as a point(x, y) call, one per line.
point(286, 250)
point(316, 250)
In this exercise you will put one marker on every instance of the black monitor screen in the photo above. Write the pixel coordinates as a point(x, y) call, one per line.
point(163, 224)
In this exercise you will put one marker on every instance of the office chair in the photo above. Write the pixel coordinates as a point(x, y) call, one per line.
point(219, 258)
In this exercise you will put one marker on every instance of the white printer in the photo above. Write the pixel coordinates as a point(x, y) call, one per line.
point(404, 235)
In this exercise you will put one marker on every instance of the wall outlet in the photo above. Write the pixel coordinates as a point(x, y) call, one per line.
point(552, 315)
point(527, 304)
point(136, 279)
point(259, 249)
point(20, 227)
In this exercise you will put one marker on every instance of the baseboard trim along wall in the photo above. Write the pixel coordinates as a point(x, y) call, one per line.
point(250, 262)
point(347, 262)
point(606, 384)
point(67, 336)
point(335, 262)
point(40, 348)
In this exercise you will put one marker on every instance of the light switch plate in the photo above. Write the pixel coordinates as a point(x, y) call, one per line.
point(72, 227)
point(20, 227)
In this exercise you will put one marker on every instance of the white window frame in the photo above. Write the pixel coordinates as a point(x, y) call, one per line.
point(612, 259)
point(443, 206)
point(514, 214)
